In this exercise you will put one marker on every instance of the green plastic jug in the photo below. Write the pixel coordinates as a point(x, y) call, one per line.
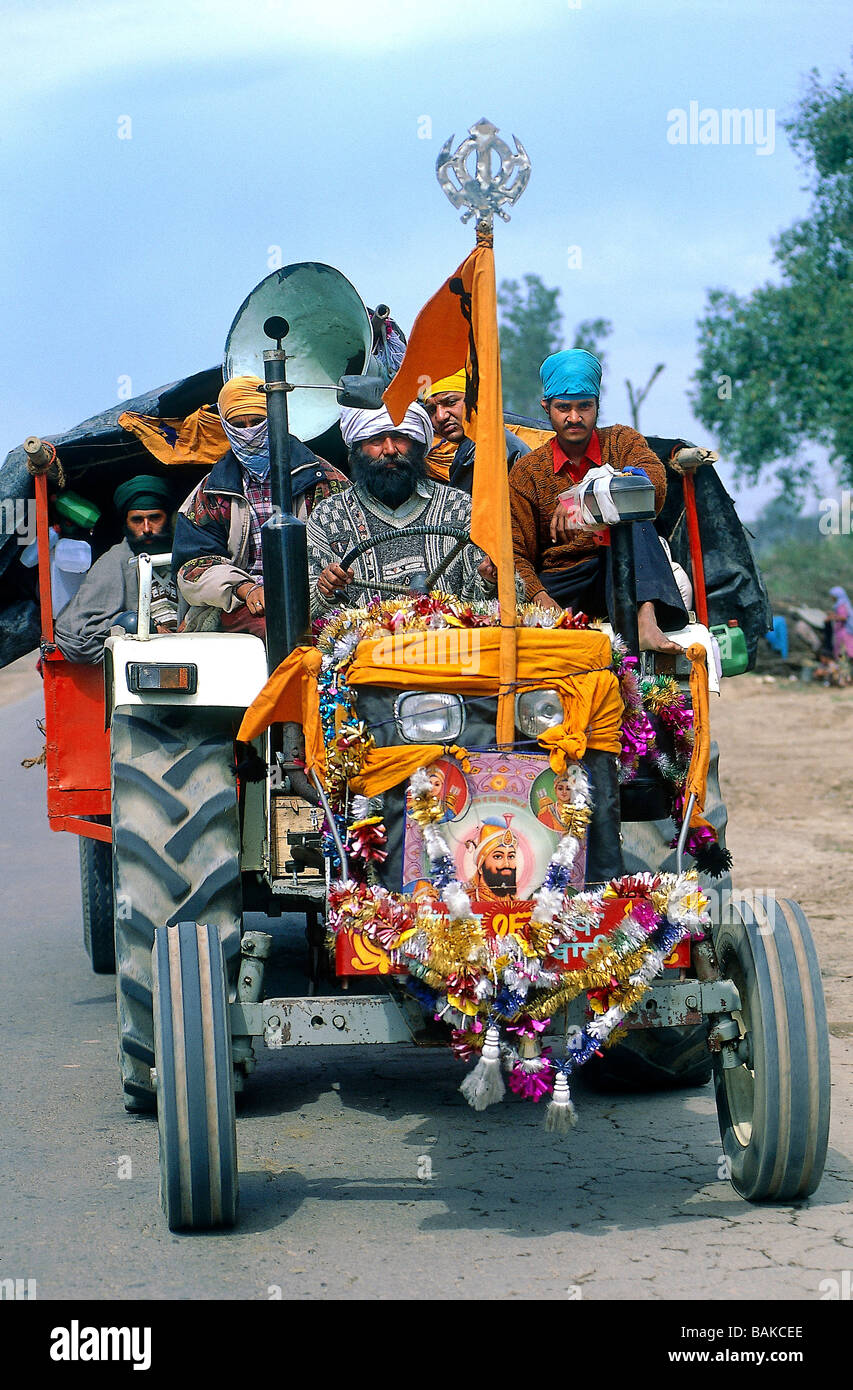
point(732, 644)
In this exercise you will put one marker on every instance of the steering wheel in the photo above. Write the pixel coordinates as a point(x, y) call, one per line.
point(462, 538)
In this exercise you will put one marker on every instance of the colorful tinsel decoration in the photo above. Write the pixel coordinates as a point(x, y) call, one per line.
point(658, 725)
point(478, 983)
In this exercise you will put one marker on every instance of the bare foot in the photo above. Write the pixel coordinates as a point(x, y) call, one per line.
point(651, 637)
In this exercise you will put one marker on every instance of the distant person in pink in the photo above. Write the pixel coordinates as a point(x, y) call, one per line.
point(842, 619)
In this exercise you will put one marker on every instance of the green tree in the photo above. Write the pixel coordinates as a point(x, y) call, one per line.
point(776, 366)
point(531, 329)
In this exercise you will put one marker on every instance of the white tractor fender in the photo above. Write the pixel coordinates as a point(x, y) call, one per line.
point(231, 668)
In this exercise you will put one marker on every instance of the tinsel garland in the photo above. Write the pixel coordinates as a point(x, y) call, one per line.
point(662, 698)
point(339, 632)
point(685, 915)
point(477, 982)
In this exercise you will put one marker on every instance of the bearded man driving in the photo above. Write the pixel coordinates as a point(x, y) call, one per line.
point(390, 495)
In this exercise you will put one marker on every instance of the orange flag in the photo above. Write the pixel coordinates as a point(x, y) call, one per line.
point(437, 346)
point(450, 329)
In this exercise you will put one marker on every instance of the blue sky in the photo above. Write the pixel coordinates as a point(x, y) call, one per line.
point(292, 125)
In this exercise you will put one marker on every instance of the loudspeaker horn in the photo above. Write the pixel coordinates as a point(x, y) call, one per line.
point(330, 336)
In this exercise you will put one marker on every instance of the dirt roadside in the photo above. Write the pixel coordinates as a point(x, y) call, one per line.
point(786, 759)
point(786, 771)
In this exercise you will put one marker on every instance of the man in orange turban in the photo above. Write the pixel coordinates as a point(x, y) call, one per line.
point(216, 555)
point(451, 458)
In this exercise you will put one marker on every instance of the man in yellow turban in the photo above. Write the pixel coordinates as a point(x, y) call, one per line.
point(496, 859)
point(216, 556)
point(451, 458)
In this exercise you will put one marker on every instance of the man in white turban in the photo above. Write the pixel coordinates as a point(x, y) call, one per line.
point(391, 494)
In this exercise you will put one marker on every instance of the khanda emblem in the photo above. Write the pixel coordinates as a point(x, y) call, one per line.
point(485, 190)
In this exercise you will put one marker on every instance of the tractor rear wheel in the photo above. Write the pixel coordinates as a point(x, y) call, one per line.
point(96, 893)
point(663, 1058)
point(176, 857)
point(773, 1107)
point(654, 1059)
point(195, 1079)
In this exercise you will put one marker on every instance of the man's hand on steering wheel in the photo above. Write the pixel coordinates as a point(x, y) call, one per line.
point(333, 579)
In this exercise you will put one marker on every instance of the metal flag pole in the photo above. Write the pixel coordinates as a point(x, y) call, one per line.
point(482, 192)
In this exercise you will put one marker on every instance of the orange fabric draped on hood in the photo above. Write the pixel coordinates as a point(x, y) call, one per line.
point(697, 772)
point(575, 663)
point(290, 696)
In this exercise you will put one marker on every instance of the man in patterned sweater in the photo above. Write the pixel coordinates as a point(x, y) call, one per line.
point(561, 566)
point(391, 493)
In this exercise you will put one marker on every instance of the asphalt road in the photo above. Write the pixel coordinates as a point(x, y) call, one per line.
point(363, 1173)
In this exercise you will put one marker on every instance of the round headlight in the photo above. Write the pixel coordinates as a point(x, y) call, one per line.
point(429, 716)
point(538, 710)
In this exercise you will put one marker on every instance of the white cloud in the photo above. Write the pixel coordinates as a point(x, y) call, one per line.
point(55, 44)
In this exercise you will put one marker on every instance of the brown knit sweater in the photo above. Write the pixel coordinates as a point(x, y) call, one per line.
point(534, 488)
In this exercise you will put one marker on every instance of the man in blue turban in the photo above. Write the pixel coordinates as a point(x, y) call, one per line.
point(562, 566)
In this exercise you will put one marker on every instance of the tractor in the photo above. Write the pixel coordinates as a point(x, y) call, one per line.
point(185, 828)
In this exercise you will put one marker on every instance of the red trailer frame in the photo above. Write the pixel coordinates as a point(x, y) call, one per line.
point(77, 739)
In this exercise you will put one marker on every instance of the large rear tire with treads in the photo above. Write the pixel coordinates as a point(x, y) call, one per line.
point(654, 1059)
point(773, 1107)
point(664, 1058)
point(195, 1079)
point(176, 857)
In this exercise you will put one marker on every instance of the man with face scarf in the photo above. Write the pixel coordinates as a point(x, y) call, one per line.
point(216, 558)
point(391, 493)
point(110, 592)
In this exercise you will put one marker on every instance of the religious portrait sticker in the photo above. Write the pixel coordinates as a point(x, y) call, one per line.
point(502, 831)
point(447, 783)
point(550, 792)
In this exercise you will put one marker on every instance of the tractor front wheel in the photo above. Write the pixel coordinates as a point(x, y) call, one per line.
point(195, 1079)
point(176, 857)
point(773, 1106)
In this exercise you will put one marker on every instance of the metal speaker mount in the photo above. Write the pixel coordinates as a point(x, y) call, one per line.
point(329, 336)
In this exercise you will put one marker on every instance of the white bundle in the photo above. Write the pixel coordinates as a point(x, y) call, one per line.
point(602, 1026)
point(484, 1085)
